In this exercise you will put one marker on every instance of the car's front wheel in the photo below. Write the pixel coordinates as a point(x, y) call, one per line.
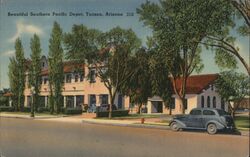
point(174, 126)
point(211, 128)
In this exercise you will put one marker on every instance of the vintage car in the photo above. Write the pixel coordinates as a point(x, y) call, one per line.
point(208, 119)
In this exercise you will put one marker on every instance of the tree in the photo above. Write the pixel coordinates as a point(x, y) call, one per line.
point(110, 54)
point(223, 42)
point(13, 79)
point(17, 75)
point(233, 88)
point(138, 86)
point(116, 60)
point(243, 6)
point(160, 80)
point(35, 71)
point(81, 43)
point(56, 75)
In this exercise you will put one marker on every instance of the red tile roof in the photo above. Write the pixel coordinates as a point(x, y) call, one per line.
point(196, 83)
point(67, 67)
point(8, 94)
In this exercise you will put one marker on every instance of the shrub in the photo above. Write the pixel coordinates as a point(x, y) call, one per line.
point(72, 110)
point(26, 109)
point(42, 109)
point(7, 109)
point(115, 113)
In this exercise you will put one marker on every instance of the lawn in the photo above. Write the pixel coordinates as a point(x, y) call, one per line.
point(242, 122)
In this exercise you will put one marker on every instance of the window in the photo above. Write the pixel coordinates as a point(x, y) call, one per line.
point(222, 112)
point(81, 77)
point(202, 101)
point(214, 102)
point(212, 87)
point(208, 101)
point(208, 112)
point(68, 78)
point(43, 65)
point(92, 99)
point(103, 99)
point(69, 101)
point(45, 80)
point(79, 100)
point(195, 112)
point(92, 76)
point(76, 77)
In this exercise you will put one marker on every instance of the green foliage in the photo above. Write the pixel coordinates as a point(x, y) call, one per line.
point(17, 75)
point(72, 111)
point(116, 113)
point(42, 109)
point(3, 101)
point(14, 85)
point(56, 75)
point(81, 43)
point(118, 36)
point(7, 109)
point(244, 30)
point(35, 70)
point(138, 86)
point(233, 87)
point(159, 78)
point(224, 59)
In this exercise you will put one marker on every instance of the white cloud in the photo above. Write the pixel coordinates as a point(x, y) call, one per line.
point(23, 28)
point(8, 53)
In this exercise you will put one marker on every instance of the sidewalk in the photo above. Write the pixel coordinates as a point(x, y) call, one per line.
point(27, 116)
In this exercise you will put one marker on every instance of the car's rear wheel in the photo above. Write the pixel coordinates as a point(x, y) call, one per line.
point(175, 126)
point(211, 128)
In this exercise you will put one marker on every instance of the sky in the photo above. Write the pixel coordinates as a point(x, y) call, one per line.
point(24, 27)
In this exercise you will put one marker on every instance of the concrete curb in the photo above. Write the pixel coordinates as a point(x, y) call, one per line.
point(128, 125)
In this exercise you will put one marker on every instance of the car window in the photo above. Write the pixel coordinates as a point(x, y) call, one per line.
point(208, 112)
point(222, 112)
point(195, 112)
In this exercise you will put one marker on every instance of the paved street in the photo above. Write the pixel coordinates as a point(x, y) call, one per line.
point(41, 138)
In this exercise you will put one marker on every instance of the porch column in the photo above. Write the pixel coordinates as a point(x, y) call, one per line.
point(149, 107)
point(74, 101)
point(64, 101)
point(10, 102)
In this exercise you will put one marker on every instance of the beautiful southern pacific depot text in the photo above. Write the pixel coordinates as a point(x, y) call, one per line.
point(43, 14)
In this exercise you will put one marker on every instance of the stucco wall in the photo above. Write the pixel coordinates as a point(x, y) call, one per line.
point(80, 88)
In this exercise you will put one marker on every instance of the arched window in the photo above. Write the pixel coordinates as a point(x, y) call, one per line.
point(214, 102)
point(222, 104)
point(208, 101)
point(202, 101)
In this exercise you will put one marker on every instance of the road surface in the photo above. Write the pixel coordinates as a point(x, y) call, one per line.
point(36, 138)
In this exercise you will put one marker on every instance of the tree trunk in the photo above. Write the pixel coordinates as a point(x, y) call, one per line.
point(170, 109)
point(32, 113)
point(139, 108)
point(111, 103)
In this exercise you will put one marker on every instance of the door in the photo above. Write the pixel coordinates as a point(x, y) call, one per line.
point(120, 101)
point(195, 119)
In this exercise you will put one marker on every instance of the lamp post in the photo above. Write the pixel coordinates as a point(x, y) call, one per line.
point(33, 92)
